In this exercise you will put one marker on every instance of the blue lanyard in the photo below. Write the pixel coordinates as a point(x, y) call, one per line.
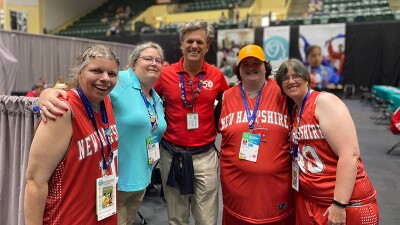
point(104, 119)
point(296, 137)
point(194, 94)
point(153, 120)
point(251, 117)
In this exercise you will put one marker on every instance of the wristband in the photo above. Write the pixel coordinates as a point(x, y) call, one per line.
point(34, 106)
point(341, 205)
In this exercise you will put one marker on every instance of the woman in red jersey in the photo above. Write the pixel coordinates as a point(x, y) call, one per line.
point(254, 162)
point(72, 171)
point(327, 169)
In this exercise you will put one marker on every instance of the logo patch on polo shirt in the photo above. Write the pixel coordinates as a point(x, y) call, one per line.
point(208, 85)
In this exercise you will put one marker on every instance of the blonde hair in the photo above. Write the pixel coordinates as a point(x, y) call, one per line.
point(84, 59)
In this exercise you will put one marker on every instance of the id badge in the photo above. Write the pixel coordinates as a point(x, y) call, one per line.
point(153, 149)
point(249, 146)
point(192, 120)
point(262, 132)
point(295, 175)
point(106, 197)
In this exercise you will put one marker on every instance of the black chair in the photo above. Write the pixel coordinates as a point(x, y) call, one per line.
point(365, 95)
point(349, 90)
point(394, 147)
point(142, 218)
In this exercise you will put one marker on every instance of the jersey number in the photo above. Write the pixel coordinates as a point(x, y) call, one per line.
point(309, 161)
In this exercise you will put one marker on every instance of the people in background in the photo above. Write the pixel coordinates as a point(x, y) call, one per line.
point(72, 156)
point(325, 148)
point(60, 83)
point(307, 44)
point(255, 162)
point(222, 18)
point(128, 11)
point(323, 77)
point(36, 91)
point(104, 19)
point(314, 6)
point(115, 28)
point(140, 121)
point(336, 57)
point(236, 12)
point(229, 75)
point(189, 88)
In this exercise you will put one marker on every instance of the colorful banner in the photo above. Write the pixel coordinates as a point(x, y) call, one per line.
point(230, 42)
point(321, 35)
point(276, 44)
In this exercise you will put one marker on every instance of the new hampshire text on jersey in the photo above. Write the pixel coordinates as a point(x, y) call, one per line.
point(90, 144)
point(263, 116)
point(310, 131)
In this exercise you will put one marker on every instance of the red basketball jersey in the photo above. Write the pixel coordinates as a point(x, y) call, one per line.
point(72, 186)
point(317, 162)
point(256, 192)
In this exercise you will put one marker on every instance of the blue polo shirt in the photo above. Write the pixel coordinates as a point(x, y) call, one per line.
point(133, 125)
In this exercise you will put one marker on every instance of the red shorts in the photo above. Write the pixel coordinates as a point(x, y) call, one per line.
point(308, 212)
point(229, 219)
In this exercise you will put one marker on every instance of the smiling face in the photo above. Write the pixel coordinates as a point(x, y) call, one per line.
point(148, 66)
point(194, 45)
point(98, 78)
point(252, 70)
point(293, 85)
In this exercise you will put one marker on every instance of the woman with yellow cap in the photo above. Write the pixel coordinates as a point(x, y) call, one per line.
point(255, 163)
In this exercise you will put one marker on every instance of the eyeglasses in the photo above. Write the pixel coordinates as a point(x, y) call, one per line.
point(151, 59)
point(295, 77)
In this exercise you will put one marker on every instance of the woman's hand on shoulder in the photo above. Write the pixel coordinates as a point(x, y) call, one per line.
point(50, 105)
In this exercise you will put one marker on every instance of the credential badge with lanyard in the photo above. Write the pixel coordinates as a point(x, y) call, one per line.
point(295, 152)
point(192, 118)
point(106, 185)
point(152, 142)
point(250, 142)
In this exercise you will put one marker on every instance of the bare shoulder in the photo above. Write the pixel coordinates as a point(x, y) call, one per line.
point(330, 104)
point(326, 98)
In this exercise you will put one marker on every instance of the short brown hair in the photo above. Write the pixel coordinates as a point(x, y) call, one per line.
point(297, 66)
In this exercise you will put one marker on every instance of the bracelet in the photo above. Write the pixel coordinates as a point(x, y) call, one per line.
point(341, 205)
point(35, 107)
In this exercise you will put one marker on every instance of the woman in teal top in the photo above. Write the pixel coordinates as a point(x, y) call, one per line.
point(139, 117)
point(140, 122)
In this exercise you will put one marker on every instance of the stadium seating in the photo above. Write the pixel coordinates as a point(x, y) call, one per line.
point(91, 25)
point(333, 11)
point(347, 11)
point(211, 5)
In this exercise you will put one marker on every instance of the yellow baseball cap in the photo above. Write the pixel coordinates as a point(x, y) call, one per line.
point(251, 51)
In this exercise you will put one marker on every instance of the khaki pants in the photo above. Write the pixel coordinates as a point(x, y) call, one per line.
point(128, 206)
point(204, 202)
